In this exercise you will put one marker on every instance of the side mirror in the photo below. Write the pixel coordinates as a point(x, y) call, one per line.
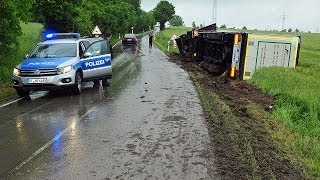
point(87, 54)
point(27, 56)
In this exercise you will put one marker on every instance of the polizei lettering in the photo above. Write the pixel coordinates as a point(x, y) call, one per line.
point(95, 63)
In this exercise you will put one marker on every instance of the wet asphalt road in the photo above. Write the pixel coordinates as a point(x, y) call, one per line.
point(147, 125)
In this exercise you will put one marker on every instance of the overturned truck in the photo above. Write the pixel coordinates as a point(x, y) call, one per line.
point(239, 54)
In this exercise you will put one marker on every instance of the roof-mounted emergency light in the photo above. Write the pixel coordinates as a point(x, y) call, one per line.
point(62, 36)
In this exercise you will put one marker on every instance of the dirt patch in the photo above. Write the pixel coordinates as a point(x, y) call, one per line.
point(232, 90)
point(241, 140)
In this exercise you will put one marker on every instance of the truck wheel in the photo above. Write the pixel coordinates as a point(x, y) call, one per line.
point(77, 87)
point(22, 93)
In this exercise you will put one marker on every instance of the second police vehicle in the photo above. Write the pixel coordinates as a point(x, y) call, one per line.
point(63, 64)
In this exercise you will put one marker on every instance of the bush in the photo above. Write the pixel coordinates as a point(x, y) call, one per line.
point(12, 12)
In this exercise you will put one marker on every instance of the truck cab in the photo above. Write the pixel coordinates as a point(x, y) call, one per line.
point(62, 64)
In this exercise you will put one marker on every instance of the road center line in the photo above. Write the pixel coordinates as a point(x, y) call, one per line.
point(7, 104)
point(49, 143)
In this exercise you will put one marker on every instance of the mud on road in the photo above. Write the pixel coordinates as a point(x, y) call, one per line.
point(239, 127)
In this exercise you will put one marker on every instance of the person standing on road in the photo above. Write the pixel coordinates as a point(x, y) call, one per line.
point(150, 39)
point(108, 37)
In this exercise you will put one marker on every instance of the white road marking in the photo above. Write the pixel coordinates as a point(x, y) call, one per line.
point(184, 72)
point(141, 52)
point(7, 104)
point(37, 108)
point(49, 143)
point(116, 44)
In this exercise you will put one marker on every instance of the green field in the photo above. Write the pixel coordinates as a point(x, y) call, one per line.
point(31, 36)
point(298, 98)
point(161, 39)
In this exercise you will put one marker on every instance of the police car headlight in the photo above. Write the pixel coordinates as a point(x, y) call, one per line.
point(64, 70)
point(16, 72)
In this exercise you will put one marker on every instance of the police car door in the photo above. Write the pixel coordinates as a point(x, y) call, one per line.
point(96, 60)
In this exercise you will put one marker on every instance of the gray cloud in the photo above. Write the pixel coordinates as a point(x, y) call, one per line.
point(303, 15)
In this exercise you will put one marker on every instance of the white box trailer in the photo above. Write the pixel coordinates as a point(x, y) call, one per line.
point(241, 53)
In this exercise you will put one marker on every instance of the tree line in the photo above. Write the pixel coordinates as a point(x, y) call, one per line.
point(116, 16)
point(81, 16)
point(224, 26)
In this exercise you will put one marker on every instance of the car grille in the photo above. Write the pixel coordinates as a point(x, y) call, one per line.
point(40, 72)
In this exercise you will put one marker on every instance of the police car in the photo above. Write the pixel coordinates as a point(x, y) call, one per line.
point(63, 63)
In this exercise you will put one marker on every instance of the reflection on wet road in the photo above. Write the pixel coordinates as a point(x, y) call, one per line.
point(147, 124)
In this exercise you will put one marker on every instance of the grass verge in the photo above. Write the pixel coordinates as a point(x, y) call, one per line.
point(162, 38)
point(31, 36)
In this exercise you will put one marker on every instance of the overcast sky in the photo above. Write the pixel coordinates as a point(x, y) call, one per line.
point(255, 14)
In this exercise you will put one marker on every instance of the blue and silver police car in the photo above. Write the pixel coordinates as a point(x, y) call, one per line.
point(63, 63)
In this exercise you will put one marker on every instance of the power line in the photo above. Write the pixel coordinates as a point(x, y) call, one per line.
point(284, 18)
point(214, 11)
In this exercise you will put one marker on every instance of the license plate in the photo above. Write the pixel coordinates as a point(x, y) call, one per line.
point(129, 39)
point(37, 81)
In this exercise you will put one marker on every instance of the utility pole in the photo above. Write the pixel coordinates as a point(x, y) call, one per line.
point(284, 18)
point(214, 11)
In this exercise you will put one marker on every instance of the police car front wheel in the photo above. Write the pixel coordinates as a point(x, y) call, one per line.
point(77, 88)
point(22, 93)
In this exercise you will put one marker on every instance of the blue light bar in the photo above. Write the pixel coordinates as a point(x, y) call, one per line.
point(49, 36)
point(62, 36)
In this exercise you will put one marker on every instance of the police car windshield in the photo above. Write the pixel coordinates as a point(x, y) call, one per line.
point(56, 50)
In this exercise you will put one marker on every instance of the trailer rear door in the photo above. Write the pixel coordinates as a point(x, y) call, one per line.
point(269, 51)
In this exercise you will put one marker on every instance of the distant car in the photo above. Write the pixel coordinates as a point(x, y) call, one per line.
point(129, 39)
point(62, 63)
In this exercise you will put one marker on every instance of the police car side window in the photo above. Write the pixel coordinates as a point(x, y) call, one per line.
point(86, 44)
point(99, 48)
point(95, 49)
point(105, 49)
